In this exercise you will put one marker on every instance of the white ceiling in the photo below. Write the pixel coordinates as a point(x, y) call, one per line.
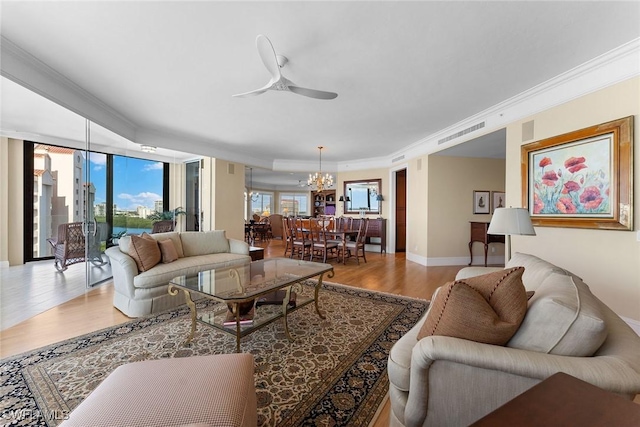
point(403, 70)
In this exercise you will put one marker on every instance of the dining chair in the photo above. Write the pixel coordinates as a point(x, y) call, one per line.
point(358, 245)
point(300, 240)
point(322, 246)
point(286, 235)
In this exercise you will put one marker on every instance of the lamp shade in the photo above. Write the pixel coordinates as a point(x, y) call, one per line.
point(341, 199)
point(379, 197)
point(511, 221)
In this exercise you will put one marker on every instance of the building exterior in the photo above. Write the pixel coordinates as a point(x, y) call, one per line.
point(58, 192)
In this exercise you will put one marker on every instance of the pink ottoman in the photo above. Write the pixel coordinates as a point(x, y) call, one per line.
point(215, 390)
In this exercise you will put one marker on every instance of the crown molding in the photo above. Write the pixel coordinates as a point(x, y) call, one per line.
point(602, 71)
point(28, 71)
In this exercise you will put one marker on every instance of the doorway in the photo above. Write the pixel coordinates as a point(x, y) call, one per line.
point(401, 210)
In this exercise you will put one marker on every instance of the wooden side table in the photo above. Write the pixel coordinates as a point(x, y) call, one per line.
point(563, 400)
point(256, 253)
point(479, 234)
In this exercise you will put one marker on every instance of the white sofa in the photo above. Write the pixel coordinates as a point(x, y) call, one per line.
point(446, 381)
point(140, 293)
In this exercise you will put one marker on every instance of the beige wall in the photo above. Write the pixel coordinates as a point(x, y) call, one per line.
point(363, 175)
point(4, 202)
point(452, 181)
point(223, 197)
point(229, 198)
point(608, 261)
point(417, 205)
point(11, 202)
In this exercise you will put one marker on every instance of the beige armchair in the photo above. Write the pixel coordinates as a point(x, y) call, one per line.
point(445, 381)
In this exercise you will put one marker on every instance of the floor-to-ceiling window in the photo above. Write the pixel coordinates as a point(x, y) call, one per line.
point(294, 204)
point(116, 195)
point(262, 204)
point(138, 188)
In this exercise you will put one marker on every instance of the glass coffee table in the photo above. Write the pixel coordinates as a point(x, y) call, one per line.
point(241, 286)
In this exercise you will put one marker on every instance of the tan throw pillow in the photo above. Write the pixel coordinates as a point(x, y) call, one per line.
point(487, 308)
point(145, 252)
point(168, 251)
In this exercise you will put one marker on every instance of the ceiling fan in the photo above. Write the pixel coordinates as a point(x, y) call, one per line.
point(273, 63)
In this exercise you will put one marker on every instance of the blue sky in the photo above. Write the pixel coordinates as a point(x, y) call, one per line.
point(137, 182)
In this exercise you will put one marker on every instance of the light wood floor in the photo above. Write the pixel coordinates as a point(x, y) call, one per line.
point(35, 287)
point(94, 310)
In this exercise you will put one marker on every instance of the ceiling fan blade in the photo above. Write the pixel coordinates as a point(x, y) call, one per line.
point(312, 93)
point(254, 92)
point(268, 56)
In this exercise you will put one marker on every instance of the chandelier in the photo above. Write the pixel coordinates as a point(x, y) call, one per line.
point(319, 181)
point(252, 195)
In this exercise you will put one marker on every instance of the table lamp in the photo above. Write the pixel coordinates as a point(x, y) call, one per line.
point(379, 198)
point(511, 221)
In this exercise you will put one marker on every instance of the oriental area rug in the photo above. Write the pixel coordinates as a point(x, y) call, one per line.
point(333, 374)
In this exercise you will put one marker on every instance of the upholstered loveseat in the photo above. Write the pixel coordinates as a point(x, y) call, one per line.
point(138, 293)
point(445, 381)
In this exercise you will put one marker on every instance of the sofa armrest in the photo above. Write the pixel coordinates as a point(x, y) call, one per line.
point(124, 269)
point(446, 369)
point(476, 271)
point(238, 247)
point(607, 372)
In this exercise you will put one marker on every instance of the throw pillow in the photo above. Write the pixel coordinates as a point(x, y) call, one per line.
point(487, 308)
point(168, 251)
point(145, 252)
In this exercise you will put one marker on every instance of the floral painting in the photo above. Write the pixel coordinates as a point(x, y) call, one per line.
point(581, 179)
point(573, 179)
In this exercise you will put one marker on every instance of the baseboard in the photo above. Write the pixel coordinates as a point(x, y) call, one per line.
point(634, 324)
point(416, 258)
point(477, 261)
point(443, 261)
point(4, 264)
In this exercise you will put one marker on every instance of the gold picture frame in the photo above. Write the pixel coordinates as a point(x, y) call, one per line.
point(581, 179)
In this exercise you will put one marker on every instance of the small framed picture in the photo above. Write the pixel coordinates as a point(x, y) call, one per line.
point(481, 202)
point(497, 200)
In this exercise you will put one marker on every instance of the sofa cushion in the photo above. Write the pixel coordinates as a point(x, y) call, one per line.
point(168, 250)
point(487, 308)
point(162, 274)
point(202, 243)
point(563, 318)
point(536, 270)
point(145, 252)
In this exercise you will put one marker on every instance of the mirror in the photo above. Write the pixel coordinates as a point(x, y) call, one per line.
point(362, 197)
